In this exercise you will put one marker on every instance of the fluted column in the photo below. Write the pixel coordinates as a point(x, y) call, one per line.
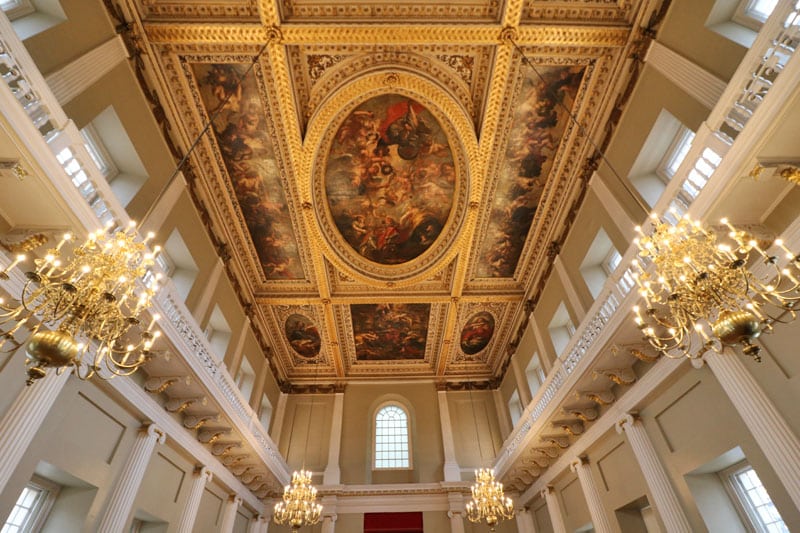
point(600, 518)
point(770, 430)
point(229, 513)
point(554, 509)
point(525, 521)
point(120, 504)
point(186, 522)
point(329, 523)
point(24, 418)
point(452, 472)
point(665, 501)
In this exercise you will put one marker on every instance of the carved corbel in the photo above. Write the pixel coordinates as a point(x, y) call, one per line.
point(556, 440)
point(242, 469)
point(551, 453)
point(587, 414)
point(572, 427)
point(539, 462)
point(620, 376)
point(158, 384)
point(251, 477)
point(221, 448)
point(197, 421)
point(642, 356)
point(603, 397)
point(210, 436)
point(179, 405)
point(232, 460)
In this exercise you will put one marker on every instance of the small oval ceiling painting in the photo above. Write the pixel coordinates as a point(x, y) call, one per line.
point(303, 335)
point(390, 179)
point(477, 333)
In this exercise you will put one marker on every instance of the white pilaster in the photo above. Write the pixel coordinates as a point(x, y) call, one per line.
point(554, 509)
point(501, 408)
point(522, 381)
point(569, 288)
point(120, 504)
point(329, 523)
point(186, 522)
point(692, 78)
point(280, 414)
point(73, 79)
point(600, 518)
point(238, 354)
point(452, 472)
point(24, 418)
point(332, 471)
point(229, 513)
point(525, 521)
point(770, 430)
point(621, 220)
point(457, 509)
point(204, 302)
point(665, 500)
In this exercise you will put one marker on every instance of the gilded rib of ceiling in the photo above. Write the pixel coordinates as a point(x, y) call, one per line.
point(414, 99)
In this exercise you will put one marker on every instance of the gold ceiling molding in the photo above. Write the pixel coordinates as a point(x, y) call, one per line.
point(461, 136)
point(512, 13)
point(213, 9)
point(387, 297)
point(307, 9)
point(269, 12)
point(386, 34)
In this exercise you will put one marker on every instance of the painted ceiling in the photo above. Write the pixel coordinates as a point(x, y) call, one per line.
point(389, 180)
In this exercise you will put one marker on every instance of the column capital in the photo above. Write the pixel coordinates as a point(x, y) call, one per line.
point(626, 421)
point(579, 461)
point(549, 489)
point(235, 499)
point(332, 517)
point(202, 471)
point(452, 513)
point(152, 430)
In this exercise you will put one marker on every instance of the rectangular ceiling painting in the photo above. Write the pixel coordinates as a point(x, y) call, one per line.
point(242, 135)
point(538, 122)
point(387, 332)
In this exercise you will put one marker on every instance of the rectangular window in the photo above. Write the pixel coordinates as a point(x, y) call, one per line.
point(752, 498)
point(32, 506)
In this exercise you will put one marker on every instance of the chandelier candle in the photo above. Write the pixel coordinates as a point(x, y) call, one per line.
point(85, 312)
point(700, 294)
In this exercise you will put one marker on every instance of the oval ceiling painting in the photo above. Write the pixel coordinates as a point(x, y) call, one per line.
point(477, 333)
point(303, 335)
point(390, 179)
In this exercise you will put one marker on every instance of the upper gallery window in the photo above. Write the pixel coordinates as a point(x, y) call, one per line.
point(392, 446)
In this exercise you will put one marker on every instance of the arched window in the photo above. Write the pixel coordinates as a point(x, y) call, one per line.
point(391, 438)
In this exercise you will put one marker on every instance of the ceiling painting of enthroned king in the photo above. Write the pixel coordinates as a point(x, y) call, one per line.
point(380, 161)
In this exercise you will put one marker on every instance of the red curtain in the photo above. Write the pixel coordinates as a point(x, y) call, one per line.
point(393, 523)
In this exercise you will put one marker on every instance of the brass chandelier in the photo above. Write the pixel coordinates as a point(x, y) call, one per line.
point(298, 507)
point(85, 311)
point(489, 503)
point(701, 294)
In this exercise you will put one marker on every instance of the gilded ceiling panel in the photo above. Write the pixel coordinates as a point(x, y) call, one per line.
point(580, 11)
point(199, 9)
point(318, 71)
point(250, 160)
point(540, 113)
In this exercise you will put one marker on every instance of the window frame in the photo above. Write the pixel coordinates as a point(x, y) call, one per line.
point(741, 501)
point(42, 506)
point(410, 457)
point(684, 137)
point(16, 9)
point(746, 16)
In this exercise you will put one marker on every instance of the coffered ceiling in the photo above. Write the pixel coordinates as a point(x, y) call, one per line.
point(390, 181)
